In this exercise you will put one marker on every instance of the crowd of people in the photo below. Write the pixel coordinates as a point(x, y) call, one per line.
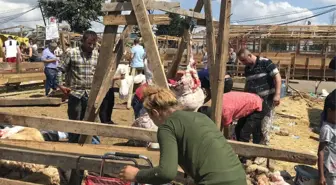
point(186, 135)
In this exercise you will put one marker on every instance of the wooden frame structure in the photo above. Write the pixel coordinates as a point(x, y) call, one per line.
point(66, 155)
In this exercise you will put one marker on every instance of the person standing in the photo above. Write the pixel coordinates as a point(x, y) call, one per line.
point(79, 66)
point(232, 61)
point(327, 146)
point(35, 55)
point(50, 67)
point(11, 49)
point(262, 78)
point(138, 55)
point(187, 139)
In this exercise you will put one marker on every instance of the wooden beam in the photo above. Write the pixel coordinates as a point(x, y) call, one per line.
point(183, 12)
point(221, 59)
point(153, 54)
point(70, 149)
point(127, 6)
point(7, 102)
point(63, 160)
point(182, 45)
point(131, 20)
point(105, 65)
point(62, 39)
point(211, 50)
point(89, 128)
point(15, 182)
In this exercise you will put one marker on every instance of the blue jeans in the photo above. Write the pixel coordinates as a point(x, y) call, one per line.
point(51, 79)
point(137, 106)
point(76, 111)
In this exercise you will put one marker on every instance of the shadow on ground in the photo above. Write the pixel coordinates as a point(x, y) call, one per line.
point(314, 119)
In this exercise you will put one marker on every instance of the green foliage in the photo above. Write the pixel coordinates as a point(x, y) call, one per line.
point(77, 13)
point(175, 28)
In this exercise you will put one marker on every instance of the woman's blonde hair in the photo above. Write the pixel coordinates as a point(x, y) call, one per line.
point(158, 98)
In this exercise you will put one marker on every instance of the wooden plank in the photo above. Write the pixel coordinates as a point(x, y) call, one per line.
point(37, 77)
point(6, 102)
point(155, 64)
point(57, 154)
point(220, 65)
point(127, 6)
point(131, 20)
point(89, 128)
point(104, 66)
point(182, 12)
point(15, 182)
point(211, 51)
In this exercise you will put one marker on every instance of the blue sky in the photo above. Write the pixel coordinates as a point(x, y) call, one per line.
point(241, 9)
point(244, 8)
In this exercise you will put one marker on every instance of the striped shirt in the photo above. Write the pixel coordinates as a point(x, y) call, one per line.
point(259, 78)
point(79, 70)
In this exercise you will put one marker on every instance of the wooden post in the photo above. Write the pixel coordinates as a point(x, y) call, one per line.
point(323, 65)
point(288, 70)
point(189, 48)
point(254, 43)
point(307, 67)
point(298, 47)
point(260, 45)
point(182, 45)
point(221, 58)
point(267, 48)
point(62, 39)
point(293, 63)
point(150, 44)
point(211, 50)
point(237, 44)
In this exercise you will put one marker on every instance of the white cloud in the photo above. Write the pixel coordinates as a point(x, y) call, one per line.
point(243, 9)
point(327, 1)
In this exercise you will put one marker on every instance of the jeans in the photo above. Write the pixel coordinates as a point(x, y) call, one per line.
point(106, 108)
point(76, 111)
point(251, 124)
point(51, 79)
point(137, 106)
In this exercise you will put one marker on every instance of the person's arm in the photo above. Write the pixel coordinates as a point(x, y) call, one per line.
point(325, 138)
point(273, 71)
point(320, 162)
point(50, 60)
point(62, 68)
point(30, 54)
point(167, 169)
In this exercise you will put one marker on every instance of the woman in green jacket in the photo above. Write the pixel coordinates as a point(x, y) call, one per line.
point(190, 140)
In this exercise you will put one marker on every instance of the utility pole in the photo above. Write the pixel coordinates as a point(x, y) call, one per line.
point(42, 13)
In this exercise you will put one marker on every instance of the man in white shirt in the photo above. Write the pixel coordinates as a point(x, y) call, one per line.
point(11, 50)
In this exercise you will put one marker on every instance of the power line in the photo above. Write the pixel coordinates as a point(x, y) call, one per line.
point(17, 15)
point(279, 15)
point(297, 20)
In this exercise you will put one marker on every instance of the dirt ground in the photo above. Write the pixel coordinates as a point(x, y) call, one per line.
point(301, 136)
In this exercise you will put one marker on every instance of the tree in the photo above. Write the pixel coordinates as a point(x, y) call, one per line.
point(78, 14)
point(175, 28)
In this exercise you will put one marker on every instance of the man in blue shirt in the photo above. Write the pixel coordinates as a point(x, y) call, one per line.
point(138, 54)
point(50, 67)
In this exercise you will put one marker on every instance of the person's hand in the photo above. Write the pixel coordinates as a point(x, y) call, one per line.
point(322, 181)
point(65, 90)
point(128, 173)
point(276, 100)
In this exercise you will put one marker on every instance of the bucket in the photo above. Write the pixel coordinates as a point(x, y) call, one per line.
point(306, 175)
